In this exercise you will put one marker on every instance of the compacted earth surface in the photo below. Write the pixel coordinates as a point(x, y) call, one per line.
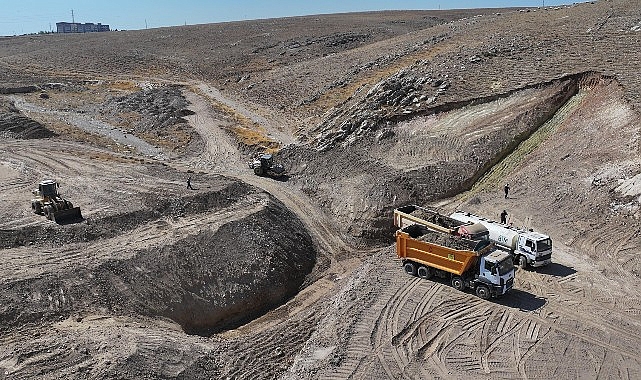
point(296, 277)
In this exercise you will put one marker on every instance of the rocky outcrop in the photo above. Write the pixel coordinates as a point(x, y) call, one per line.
point(403, 93)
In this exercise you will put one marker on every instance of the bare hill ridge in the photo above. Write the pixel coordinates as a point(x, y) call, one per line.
point(296, 277)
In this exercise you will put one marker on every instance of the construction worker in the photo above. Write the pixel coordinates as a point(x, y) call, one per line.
point(189, 184)
point(504, 217)
point(506, 188)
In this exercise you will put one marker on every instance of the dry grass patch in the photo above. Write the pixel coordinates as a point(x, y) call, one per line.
point(175, 137)
point(124, 85)
point(341, 94)
point(246, 132)
point(254, 138)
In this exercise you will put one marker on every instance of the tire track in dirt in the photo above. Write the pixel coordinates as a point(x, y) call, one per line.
point(419, 326)
point(404, 328)
point(563, 294)
point(584, 321)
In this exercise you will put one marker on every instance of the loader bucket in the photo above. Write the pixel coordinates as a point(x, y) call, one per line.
point(71, 215)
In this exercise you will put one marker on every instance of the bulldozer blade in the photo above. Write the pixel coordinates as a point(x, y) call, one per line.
point(71, 215)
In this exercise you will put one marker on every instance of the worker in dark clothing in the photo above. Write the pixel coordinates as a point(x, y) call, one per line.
point(504, 217)
point(506, 189)
point(189, 184)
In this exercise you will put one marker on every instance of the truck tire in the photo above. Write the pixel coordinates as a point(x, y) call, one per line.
point(521, 262)
point(458, 283)
point(483, 292)
point(410, 268)
point(424, 272)
point(258, 170)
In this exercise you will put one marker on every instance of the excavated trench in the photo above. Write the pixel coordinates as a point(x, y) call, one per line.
point(218, 275)
point(427, 156)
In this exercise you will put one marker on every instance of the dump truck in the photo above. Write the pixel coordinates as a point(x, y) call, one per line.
point(474, 264)
point(412, 214)
point(264, 165)
point(48, 202)
point(527, 247)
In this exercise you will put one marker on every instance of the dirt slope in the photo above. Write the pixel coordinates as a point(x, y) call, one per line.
point(253, 277)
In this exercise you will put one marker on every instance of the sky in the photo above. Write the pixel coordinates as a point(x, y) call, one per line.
point(32, 16)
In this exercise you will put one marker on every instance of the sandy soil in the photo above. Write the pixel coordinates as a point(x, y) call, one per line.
point(297, 278)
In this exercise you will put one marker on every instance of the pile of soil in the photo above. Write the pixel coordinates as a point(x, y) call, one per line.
point(15, 125)
point(263, 257)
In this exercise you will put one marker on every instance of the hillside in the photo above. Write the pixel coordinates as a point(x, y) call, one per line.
point(296, 277)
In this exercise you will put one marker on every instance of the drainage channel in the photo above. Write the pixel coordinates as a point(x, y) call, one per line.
point(504, 167)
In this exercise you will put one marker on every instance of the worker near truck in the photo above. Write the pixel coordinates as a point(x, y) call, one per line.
point(504, 217)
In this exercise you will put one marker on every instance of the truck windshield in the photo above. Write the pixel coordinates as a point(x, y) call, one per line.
point(505, 266)
point(543, 245)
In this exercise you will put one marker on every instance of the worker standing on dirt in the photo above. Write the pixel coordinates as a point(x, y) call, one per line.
point(506, 189)
point(189, 184)
point(504, 217)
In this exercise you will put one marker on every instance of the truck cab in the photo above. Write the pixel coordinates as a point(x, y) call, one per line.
point(536, 248)
point(496, 270)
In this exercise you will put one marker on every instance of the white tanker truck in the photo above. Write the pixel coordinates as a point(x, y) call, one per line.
point(526, 247)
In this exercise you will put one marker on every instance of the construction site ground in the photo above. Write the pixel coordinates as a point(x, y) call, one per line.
point(297, 277)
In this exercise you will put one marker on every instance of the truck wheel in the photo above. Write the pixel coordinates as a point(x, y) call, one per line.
point(37, 208)
point(410, 268)
point(522, 262)
point(483, 292)
point(457, 283)
point(424, 272)
point(258, 170)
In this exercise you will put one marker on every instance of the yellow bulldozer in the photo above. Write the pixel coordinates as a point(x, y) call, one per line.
point(48, 202)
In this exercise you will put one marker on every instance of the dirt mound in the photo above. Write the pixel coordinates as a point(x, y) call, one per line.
point(109, 226)
point(15, 125)
point(155, 114)
point(263, 257)
point(158, 107)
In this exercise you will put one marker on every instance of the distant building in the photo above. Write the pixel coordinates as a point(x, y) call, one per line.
point(76, 27)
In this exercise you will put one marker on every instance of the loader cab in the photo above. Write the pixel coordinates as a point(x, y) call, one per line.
point(48, 188)
point(266, 161)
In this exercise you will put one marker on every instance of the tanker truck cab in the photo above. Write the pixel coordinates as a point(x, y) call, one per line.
point(535, 248)
point(496, 272)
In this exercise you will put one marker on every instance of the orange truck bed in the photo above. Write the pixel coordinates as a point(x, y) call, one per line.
point(436, 256)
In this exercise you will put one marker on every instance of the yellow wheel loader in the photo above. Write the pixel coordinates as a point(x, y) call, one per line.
point(49, 203)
